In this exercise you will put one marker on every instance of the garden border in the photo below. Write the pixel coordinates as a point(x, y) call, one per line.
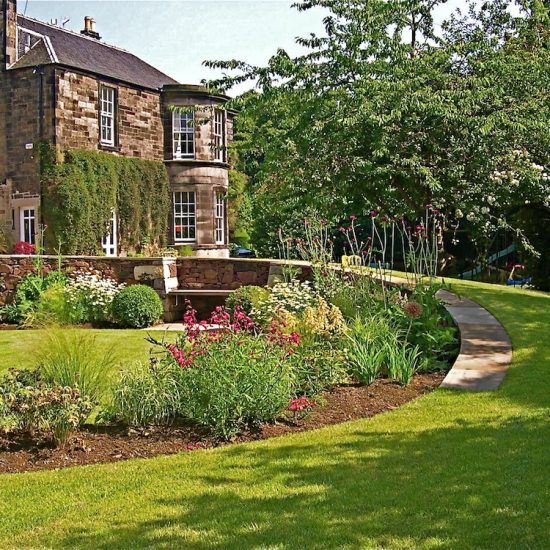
point(485, 347)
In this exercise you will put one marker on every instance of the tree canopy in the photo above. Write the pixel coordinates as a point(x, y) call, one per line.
point(388, 111)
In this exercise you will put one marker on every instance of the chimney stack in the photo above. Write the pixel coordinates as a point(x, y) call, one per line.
point(89, 28)
point(8, 33)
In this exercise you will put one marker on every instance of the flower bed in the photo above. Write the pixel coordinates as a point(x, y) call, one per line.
point(273, 356)
point(101, 444)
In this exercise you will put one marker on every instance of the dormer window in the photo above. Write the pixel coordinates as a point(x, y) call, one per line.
point(183, 125)
point(107, 115)
point(219, 135)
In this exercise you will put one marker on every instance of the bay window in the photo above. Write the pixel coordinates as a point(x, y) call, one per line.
point(219, 202)
point(183, 126)
point(185, 219)
point(219, 135)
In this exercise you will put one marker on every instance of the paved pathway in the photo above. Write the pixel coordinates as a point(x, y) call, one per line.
point(485, 349)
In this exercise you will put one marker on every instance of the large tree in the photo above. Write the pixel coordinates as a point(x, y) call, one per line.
point(386, 111)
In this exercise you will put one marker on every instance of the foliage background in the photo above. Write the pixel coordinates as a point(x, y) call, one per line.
point(388, 111)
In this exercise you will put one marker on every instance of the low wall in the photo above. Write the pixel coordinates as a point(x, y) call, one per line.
point(215, 274)
point(164, 274)
point(15, 268)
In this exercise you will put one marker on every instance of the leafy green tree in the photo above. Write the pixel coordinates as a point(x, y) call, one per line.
point(387, 112)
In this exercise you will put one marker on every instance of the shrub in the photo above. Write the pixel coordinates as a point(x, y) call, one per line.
point(24, 248)
point(91, 297)
point(185, 251)
point(225, 380)
point(247, 297)
point(70, 358)
point(146, 394)
point(53, 308)
point(293, 297)
point(238, 381)
point(28, 293)
point(426, 324)
point(323, 320)
point(137, 306)
point(30, 405)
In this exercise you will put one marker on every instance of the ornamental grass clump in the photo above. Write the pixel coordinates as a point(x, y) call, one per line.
point(375, 347)
point(71, 358)
point(146, 394)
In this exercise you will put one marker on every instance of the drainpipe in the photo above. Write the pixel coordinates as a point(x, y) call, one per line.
point(39, 71)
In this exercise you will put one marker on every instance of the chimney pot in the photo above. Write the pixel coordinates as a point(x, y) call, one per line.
point(89, 28)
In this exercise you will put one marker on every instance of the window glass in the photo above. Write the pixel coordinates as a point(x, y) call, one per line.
point(107, 116)
point(184, 216)
point(183, 125)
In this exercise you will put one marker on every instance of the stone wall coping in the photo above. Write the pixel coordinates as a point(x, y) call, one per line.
point(158, 258)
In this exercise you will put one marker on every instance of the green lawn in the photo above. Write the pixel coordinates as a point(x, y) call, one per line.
point(21, 348)
point(450, 470)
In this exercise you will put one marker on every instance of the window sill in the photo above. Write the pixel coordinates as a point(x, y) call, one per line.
point(110, 148)
point(213, 163)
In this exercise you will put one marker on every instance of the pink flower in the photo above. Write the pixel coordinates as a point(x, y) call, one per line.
point(373, 213)
point(352, 218)
point(301, 404)
point(24, 248)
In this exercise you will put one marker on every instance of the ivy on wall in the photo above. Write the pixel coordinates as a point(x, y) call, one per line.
point(80, 191)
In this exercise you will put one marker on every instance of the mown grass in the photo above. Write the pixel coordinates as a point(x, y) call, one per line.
point(451, 470)
point(21, 348)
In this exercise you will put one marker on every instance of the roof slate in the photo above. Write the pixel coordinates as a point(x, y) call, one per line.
point(91, 55)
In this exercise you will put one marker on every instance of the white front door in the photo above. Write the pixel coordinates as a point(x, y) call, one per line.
point(27, 225)
point(109, 242)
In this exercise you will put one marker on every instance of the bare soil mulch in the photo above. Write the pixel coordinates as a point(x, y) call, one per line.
point(96, 444)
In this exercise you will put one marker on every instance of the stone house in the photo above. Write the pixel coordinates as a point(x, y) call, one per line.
point(76, 92)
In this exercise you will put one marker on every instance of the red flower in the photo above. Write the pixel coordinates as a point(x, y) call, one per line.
point(301, 403)
point(24, 248)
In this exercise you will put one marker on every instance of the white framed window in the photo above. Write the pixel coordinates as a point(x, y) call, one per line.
point(219, 203)
point(27, 225)
point(185, 218)
point(109, 243)
point(219, 135)
point(107, 115)
point(183, 130)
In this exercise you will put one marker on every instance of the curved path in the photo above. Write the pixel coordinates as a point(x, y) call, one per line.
point(485, 348)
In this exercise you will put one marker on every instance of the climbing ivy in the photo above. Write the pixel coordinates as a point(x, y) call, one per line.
point(81, 189)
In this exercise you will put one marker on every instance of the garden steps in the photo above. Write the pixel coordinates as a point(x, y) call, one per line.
point(485, 349)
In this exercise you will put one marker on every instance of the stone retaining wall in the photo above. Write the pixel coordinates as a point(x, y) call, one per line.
point(163, 274)
point(15, 268)
point(206, 273)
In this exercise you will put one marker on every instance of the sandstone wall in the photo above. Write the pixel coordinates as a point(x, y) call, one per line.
point(139, 131)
